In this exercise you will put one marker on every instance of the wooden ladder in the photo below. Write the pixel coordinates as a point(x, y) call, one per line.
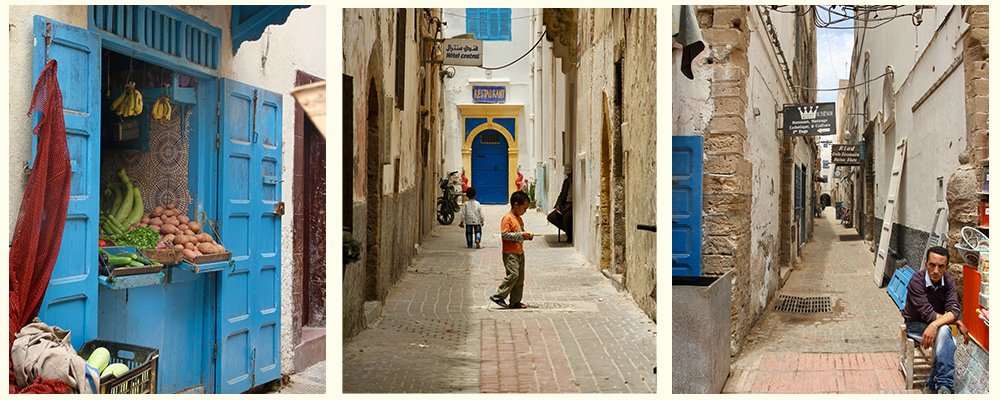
point(888, 217)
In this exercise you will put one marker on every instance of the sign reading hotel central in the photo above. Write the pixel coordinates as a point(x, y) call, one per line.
point(489, 94)
point(467, 52)
point(810, 119)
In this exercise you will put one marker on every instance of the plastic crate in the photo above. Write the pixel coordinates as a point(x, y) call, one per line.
point(897, 285)
point(141, 361)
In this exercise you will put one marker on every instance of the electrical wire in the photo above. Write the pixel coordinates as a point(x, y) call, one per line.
point(519, 58)
point(845, 87)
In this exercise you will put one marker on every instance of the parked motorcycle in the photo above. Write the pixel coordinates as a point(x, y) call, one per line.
point(447, 204)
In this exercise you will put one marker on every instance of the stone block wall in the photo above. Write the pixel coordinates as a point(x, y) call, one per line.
point(639, 142)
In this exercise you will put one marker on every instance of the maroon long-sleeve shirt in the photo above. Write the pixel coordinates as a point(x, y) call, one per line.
point(924, 299)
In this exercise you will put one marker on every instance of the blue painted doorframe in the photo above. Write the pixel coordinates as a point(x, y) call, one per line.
point(686, 173)
point(249, 292)
point(489, 167)
point(71, 299)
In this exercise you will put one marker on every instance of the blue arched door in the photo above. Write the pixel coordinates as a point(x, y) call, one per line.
point(489, 167)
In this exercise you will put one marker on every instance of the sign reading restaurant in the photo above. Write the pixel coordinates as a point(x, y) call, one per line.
point(846, 154)
point(468, 52)
point(489, 94)
point(810, 119)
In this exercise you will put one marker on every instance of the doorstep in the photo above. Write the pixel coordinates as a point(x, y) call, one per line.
point(616, 279)
point(312, 349)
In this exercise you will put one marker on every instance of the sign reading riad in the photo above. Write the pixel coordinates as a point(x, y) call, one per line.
point(846, 154)
point(489, 94)
point(810, 119)
point(467, 52)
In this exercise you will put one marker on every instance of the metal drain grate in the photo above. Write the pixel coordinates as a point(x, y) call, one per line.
point(802, 305)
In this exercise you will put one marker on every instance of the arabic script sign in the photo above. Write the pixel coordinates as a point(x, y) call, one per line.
point(467, 52)
point(810, 119)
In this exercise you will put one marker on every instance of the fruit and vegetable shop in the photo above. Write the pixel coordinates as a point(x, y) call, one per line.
point(151, 226)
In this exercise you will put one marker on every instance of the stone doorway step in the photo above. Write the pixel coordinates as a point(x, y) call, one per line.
point(312, 348)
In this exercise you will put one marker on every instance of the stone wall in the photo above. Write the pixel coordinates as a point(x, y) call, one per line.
point(407, 129)
point(639, 142)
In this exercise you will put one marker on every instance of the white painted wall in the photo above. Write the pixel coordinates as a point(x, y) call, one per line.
point(517, 78)
point(935, 131)
point(299, 44)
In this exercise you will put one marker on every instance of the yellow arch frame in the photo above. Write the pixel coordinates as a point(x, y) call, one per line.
point(491, 112)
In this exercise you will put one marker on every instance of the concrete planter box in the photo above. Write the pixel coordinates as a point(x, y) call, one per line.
point(701, 332)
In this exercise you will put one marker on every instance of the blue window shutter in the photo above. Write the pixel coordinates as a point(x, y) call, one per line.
point(494, 23)
point(70, 300)
point(687, 205)
point(484, 24)
point(472, 21)
point(504, 24)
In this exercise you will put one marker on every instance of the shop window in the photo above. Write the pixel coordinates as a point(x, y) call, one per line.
point(400, 57)
point(488, 23)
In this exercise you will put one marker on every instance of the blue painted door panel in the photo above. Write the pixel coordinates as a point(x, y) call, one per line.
point(70, 301)
point(250, 291)
point(687, 205)
point(489, 167)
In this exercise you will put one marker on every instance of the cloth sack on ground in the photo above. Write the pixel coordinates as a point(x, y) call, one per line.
point(45, 351)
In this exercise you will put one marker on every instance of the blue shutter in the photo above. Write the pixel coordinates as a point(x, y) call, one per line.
point(249, 292)
point(472, 21)
point(687, 205)
point(70, 301)
point(494, 18)
point(484, 24)
point(504, 24)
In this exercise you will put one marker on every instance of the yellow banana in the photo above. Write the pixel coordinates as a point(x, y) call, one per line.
point(170, 110)
point(118, 102)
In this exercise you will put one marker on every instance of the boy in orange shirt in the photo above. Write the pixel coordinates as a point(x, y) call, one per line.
point(513, 235)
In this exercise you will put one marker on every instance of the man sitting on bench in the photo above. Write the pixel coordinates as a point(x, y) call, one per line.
point(931, 306)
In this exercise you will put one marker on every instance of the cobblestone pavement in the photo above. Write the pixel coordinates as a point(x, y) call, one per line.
point(860, 331)
point(439, 332)
point(312, 380)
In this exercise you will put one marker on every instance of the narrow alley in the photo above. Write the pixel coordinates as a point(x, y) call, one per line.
point(439, 332)
point(856, 340)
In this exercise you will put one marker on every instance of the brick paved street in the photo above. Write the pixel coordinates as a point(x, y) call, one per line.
point(848, 350)
point(440, 333)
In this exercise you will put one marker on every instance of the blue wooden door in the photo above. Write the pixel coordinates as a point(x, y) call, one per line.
point(489, 167)
point(250, 291)
point(70, 301)
point(687, 205)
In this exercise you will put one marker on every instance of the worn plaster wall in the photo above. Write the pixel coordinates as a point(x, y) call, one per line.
point(927, 78)
point(732, 102)
point(21, 20)
point(369, 53)
point(595, 86)
point(639, 142)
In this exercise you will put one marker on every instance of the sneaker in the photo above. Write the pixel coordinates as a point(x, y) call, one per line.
point(477, 245)
point(944, 390)
point(518, 305)
point(928, 390)
point(500, 302)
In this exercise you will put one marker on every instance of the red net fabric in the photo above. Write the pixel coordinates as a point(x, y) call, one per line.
point(42, 215)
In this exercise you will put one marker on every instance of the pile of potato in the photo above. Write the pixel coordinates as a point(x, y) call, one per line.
point(181, 231)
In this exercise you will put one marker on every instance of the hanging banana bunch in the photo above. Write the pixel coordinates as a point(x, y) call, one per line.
point(162, 110)
point(129, 103)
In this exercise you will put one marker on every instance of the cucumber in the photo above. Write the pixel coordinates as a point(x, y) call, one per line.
point(136, 264)
point(117, 204)
point(118, 261)
point(144, 260)
point(127, 198)
point(102, 251)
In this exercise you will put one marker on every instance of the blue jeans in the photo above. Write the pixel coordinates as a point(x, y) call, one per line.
point(943, 370)
point(473, 232)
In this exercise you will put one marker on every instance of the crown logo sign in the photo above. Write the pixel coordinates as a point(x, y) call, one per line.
point(808, 112)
